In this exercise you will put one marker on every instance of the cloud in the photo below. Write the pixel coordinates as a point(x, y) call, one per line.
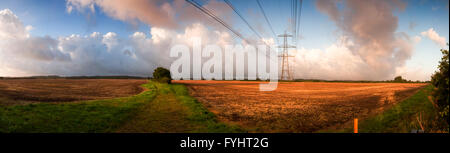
point(96, 54)
point(329, 7)
point(156, 13)
point(11, 27)
point(152, 12)
point(338, 62)
point(16, 40)
point(93, 54)
point(368, 49)
point(416, 39)
point(335, 62)
point(371, 27)
point(434, 36)
point(413, 73)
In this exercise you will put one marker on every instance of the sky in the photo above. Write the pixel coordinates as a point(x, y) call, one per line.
point(338, 40)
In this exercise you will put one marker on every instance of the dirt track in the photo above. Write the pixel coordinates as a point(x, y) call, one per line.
point(297, 106)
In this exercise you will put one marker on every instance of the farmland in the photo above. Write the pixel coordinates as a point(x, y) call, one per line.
point(157, 108)
point(137, 105)
point(298, 106)
point(24, 91)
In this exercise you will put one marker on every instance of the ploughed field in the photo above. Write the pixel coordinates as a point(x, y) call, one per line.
point(297, 106)
point(23, 91)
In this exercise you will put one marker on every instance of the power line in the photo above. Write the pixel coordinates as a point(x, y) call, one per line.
point(267, 20)
point(299, 18)
point(296, 13)
point(209, 13)
point(294, 18)
point(242, 17)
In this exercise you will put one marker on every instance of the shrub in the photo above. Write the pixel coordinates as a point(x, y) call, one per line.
point(399, 79)
point(440, 81)
point(162, 75)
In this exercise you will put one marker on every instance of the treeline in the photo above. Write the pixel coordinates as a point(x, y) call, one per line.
point(402, 80)
point(76, 77)
point(398, 79)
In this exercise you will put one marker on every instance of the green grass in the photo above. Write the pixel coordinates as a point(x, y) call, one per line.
point(167, 108)
point(403, 117)
point(78, 117)
point(200, 117)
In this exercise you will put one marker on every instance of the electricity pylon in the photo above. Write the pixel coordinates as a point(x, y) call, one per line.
point(285, 68)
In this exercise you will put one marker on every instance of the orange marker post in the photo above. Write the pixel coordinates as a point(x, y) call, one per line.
point(355, 126)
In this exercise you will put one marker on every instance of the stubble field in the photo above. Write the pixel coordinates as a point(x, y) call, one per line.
point(297, 106)
point(293, 107)
point(23, 91)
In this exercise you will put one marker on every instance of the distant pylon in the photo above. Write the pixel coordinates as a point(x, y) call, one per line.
point(285, 68)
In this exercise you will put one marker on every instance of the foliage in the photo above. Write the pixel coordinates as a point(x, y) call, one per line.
point(413, 113)
point(400, 79)
point(162, 75)
point(440, 80)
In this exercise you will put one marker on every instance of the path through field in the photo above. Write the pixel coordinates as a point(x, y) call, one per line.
point(164, 114)
point(173, 111)
point(160, 108)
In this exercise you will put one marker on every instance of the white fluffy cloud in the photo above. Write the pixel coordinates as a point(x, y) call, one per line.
point(371, 26)
point(22, 54)
point(11, 27)
point(154, 12)
point(157, 13)
point(339, 62)
point(94, 54)
point(138, 54)
point(416, 72)
point(19, 49)
point(336, 62)
point(434, 36)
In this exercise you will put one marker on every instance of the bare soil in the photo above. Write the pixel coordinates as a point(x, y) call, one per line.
point(297, 106)
point(19, 91)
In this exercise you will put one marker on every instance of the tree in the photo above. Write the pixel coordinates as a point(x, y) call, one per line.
point(162, 75)
point(440, 81)
point(399, 79)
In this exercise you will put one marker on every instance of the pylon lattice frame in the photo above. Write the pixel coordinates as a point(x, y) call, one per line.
point(285, 68)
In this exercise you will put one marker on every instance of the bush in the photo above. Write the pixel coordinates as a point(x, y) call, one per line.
point(399, 79)
point(162, 75)
point(440, 81)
